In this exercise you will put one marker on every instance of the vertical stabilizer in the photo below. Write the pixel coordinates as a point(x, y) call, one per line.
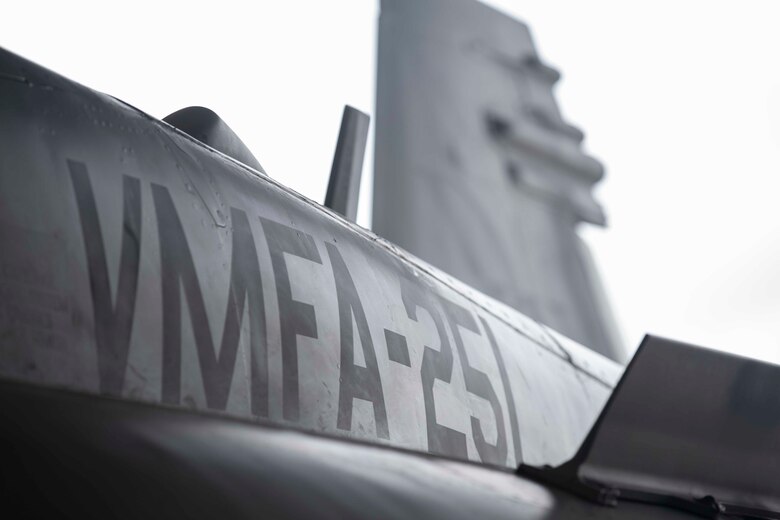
point(476, 171)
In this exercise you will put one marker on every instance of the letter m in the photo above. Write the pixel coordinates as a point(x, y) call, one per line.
point(178, 271)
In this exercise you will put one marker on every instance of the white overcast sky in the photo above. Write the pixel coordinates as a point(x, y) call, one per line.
point(679, 99)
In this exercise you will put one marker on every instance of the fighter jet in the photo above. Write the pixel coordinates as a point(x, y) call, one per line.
point(181, 335)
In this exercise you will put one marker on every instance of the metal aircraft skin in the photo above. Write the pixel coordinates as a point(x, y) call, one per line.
point(181, 335)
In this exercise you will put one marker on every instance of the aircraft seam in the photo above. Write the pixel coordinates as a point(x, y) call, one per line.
point(395, 250)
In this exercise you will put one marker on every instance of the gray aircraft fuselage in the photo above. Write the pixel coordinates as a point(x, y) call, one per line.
point(174, 325)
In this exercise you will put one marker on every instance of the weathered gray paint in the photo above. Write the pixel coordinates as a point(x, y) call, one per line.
point(477, 173)
point(139, 263)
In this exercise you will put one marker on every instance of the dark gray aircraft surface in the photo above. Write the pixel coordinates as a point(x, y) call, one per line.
point(183, 336)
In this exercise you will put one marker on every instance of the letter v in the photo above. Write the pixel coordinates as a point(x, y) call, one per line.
point(113, 324)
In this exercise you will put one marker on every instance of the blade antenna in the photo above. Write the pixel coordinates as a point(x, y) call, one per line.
point(344, 184)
